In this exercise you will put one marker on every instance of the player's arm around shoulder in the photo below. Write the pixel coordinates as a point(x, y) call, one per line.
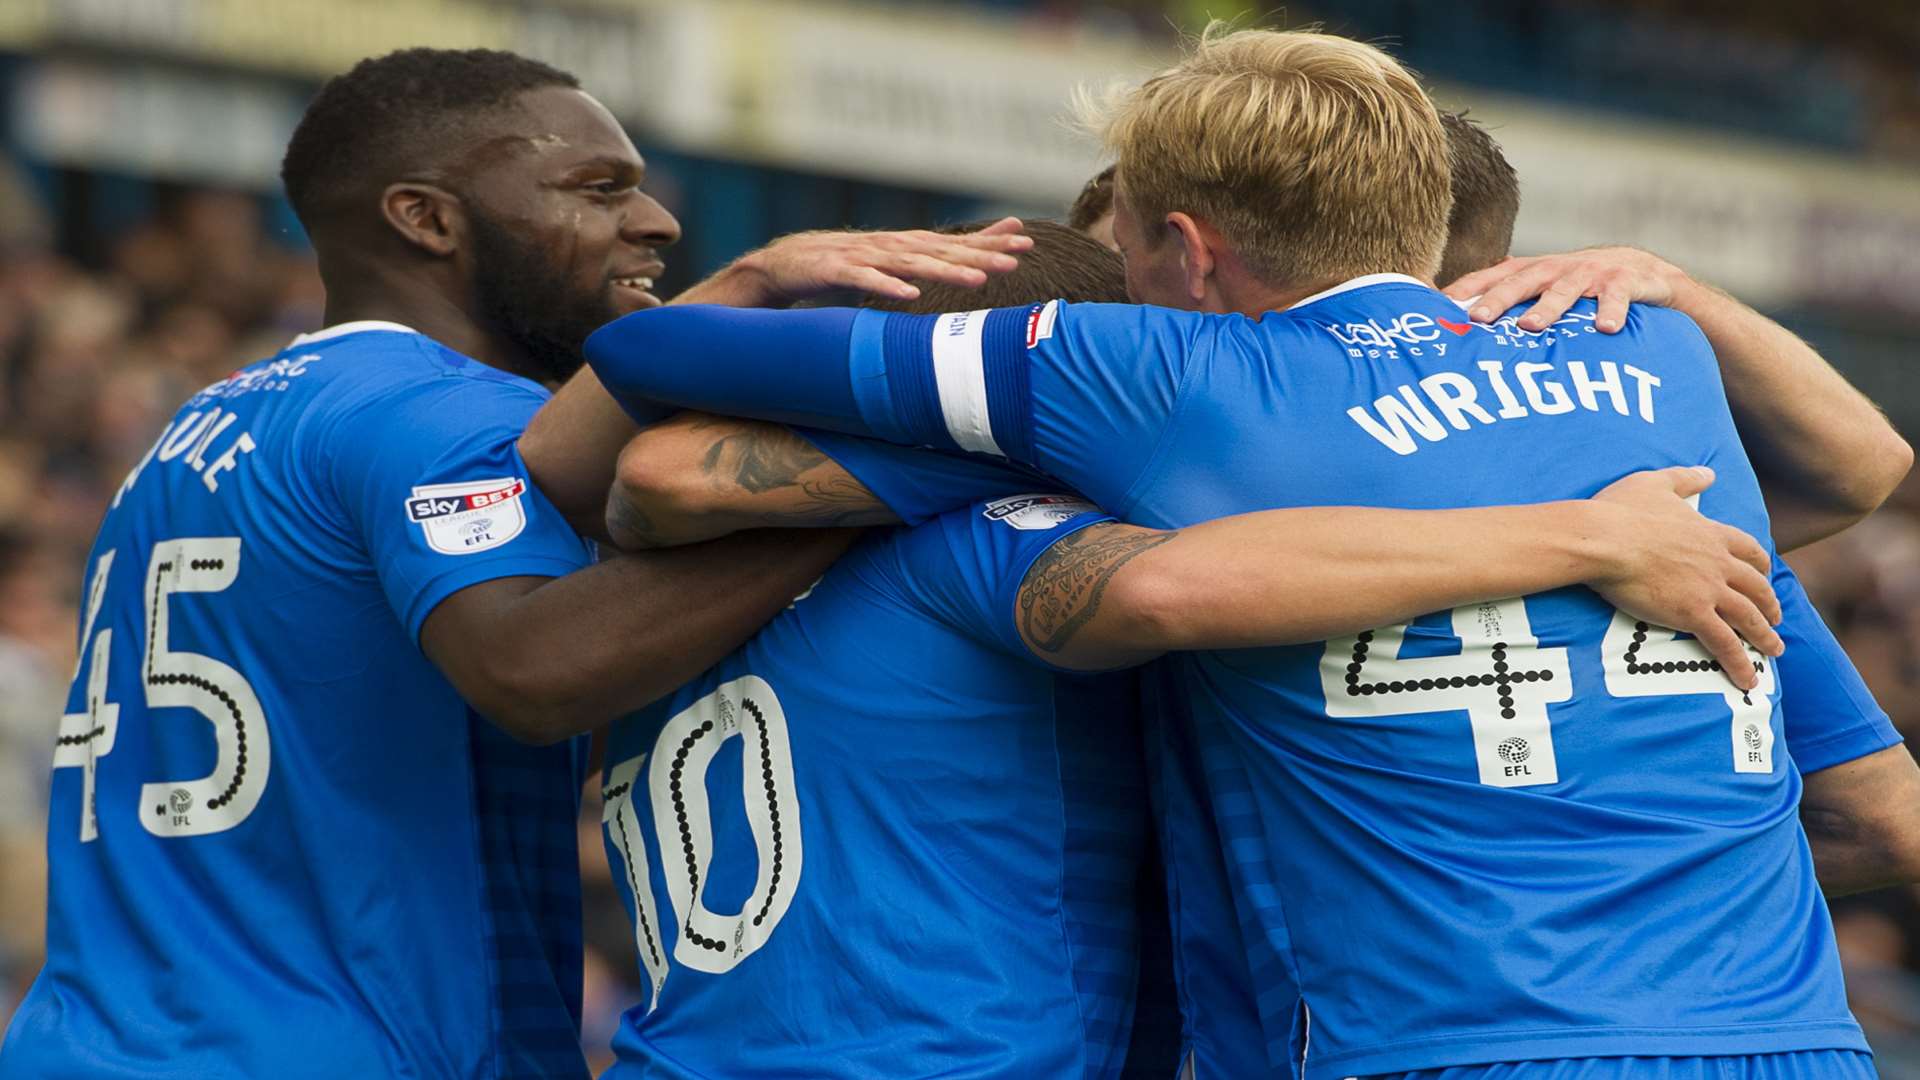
point(695, 476)
point(1825, 454)
point(1862, 819)
point(1116, 594)
point(486, 574)
point(1077, 608)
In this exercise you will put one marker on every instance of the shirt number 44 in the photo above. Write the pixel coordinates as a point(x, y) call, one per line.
point(1504, 681)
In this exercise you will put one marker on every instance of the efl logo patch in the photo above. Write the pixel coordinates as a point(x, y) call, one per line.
point(460, 519)
point(1040, 322)
point(1036, 511)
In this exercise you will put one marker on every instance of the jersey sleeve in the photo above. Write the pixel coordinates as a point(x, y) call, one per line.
point(429, 477)
point(920, 484)
point(965, 567)
point(1082, 392)
point(1829, 715)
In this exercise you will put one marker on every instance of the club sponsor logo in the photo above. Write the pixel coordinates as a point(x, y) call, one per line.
point(274, 376)
point(464, 518)
point(1414, 333)
point(1032, 512)
point(1411, 328)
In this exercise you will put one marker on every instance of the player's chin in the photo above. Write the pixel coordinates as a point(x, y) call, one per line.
point(626, 299)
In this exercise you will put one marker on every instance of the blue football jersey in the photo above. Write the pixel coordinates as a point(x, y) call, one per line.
point(1195, 999)
point(879, 840)
point(1218, 992)
point(919, 484)
point(281, 844)
point(1522, 829)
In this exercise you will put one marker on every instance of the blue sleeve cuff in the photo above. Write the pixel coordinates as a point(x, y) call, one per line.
point(1877, 733)
point(867, 376)
point(957, 381)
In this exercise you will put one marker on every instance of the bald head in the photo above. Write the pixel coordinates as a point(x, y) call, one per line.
point(401, 116)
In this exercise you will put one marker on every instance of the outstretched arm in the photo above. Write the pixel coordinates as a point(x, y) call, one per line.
point(1081, 392)
point(1863, 822)
point(695, 477)
point(1114, 594)
point(1825, 455)
point(549, 658)
point(571, 445)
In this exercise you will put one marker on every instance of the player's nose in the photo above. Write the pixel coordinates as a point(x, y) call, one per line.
point(649, 223)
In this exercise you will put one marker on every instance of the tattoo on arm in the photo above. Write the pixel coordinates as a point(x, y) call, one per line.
point(627, 524)
point(1062, 590)
point(761, 460)
point(768, 458)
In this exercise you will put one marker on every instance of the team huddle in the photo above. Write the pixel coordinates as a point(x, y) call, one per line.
point(1184, 642)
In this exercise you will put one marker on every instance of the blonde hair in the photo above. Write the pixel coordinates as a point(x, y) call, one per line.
point(1317, 157)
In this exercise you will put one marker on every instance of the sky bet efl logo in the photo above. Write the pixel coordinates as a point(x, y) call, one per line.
point(1033, 512)
point(460, 519)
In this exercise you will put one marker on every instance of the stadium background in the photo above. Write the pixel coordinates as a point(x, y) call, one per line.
point(1772, 148)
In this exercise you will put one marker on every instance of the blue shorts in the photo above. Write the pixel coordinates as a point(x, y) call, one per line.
point(1801, 1065)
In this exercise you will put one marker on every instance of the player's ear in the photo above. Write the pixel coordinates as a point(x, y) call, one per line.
point(428, 217)
point(1196, 242)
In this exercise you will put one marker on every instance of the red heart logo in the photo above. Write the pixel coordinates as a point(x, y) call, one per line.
point(1460, 328)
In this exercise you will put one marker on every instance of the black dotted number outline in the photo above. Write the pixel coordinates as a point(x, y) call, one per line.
point(676, 791)
point(1636, 668)
point(159, 598)
point(634, 879)
point(1501, 677)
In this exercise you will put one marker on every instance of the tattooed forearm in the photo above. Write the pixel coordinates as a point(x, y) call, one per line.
point(697, 477)
point(1062, 590)
point(762, 459)
point(811, 488)
point(837, 499)
point(628, 526)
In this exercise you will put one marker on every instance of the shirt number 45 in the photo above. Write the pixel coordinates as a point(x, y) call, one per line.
point(170, 678)
point(1504, 681)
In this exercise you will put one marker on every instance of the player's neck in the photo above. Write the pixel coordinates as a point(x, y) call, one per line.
point(432, 314)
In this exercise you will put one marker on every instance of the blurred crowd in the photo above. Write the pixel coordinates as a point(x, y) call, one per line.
point(1838, 75)
point(94, 358)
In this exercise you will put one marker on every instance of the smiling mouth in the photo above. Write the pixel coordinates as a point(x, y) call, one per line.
point(643, 284)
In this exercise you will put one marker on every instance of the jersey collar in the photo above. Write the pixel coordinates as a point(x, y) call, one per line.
point(1361, 282)
point(345, 328)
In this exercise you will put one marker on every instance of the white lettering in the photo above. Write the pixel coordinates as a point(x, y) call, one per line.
point(198, 458)
point(1510, 408)
point(1561, 402)
point(1455, 396)
point(1397, 418)
point(1413, 324)
point(1647, 381)
point(1407, 329)
point(1609, 381)
point(189, 429)
point(227, 460)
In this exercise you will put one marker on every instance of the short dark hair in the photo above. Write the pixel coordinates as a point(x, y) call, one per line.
point(1486, 199)
point(1064, 264)
point(1095, 201)
point(372, 123)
